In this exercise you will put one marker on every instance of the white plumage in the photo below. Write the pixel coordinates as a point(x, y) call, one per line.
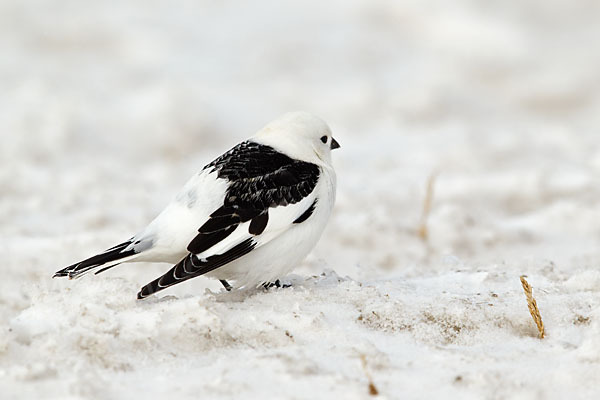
point(250, 216)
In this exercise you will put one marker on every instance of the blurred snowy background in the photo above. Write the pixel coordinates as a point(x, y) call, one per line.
point(106, 109)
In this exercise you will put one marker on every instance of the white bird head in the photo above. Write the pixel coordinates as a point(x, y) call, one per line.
point(300, 135)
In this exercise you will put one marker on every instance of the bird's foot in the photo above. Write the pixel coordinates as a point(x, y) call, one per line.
point(277, 284)
point(226, 285)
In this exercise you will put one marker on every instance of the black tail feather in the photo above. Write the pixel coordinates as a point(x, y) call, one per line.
point(113, 254)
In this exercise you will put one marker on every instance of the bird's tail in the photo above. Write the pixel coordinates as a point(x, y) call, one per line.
point(114, 256)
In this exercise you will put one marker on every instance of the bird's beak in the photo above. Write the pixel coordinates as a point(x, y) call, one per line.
point(334, 144)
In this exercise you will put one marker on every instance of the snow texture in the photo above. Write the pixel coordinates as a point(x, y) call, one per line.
point(107, 108)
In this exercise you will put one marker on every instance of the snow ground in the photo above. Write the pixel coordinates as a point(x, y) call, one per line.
point(107, 109)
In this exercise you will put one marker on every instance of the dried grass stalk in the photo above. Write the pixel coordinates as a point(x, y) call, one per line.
point(372, 389)
point(533, 308)
point(423, 232)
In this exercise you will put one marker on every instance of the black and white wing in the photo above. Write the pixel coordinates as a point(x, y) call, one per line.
point(267, 193)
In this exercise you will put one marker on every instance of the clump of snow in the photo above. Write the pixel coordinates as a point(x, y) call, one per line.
point(107, 110)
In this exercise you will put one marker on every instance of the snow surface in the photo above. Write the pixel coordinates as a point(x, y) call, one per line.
point(106, 109)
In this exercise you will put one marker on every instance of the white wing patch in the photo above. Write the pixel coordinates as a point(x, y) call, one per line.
point(177, 225)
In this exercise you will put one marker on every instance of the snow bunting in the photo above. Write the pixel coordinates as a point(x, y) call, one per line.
point(250, 216)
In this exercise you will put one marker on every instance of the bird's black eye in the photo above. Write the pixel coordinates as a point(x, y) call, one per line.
point(324, 139)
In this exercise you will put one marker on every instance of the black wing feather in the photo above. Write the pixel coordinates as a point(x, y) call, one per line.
point(204, 241)
point(258, 223)
point(218, 223)
point(191, 266)
point(306, 214)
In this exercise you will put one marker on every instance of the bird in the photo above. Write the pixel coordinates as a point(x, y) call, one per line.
point(248, 217)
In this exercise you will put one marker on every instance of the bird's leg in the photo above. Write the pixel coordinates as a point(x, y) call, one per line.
point(276, 284)
point(226, 285)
